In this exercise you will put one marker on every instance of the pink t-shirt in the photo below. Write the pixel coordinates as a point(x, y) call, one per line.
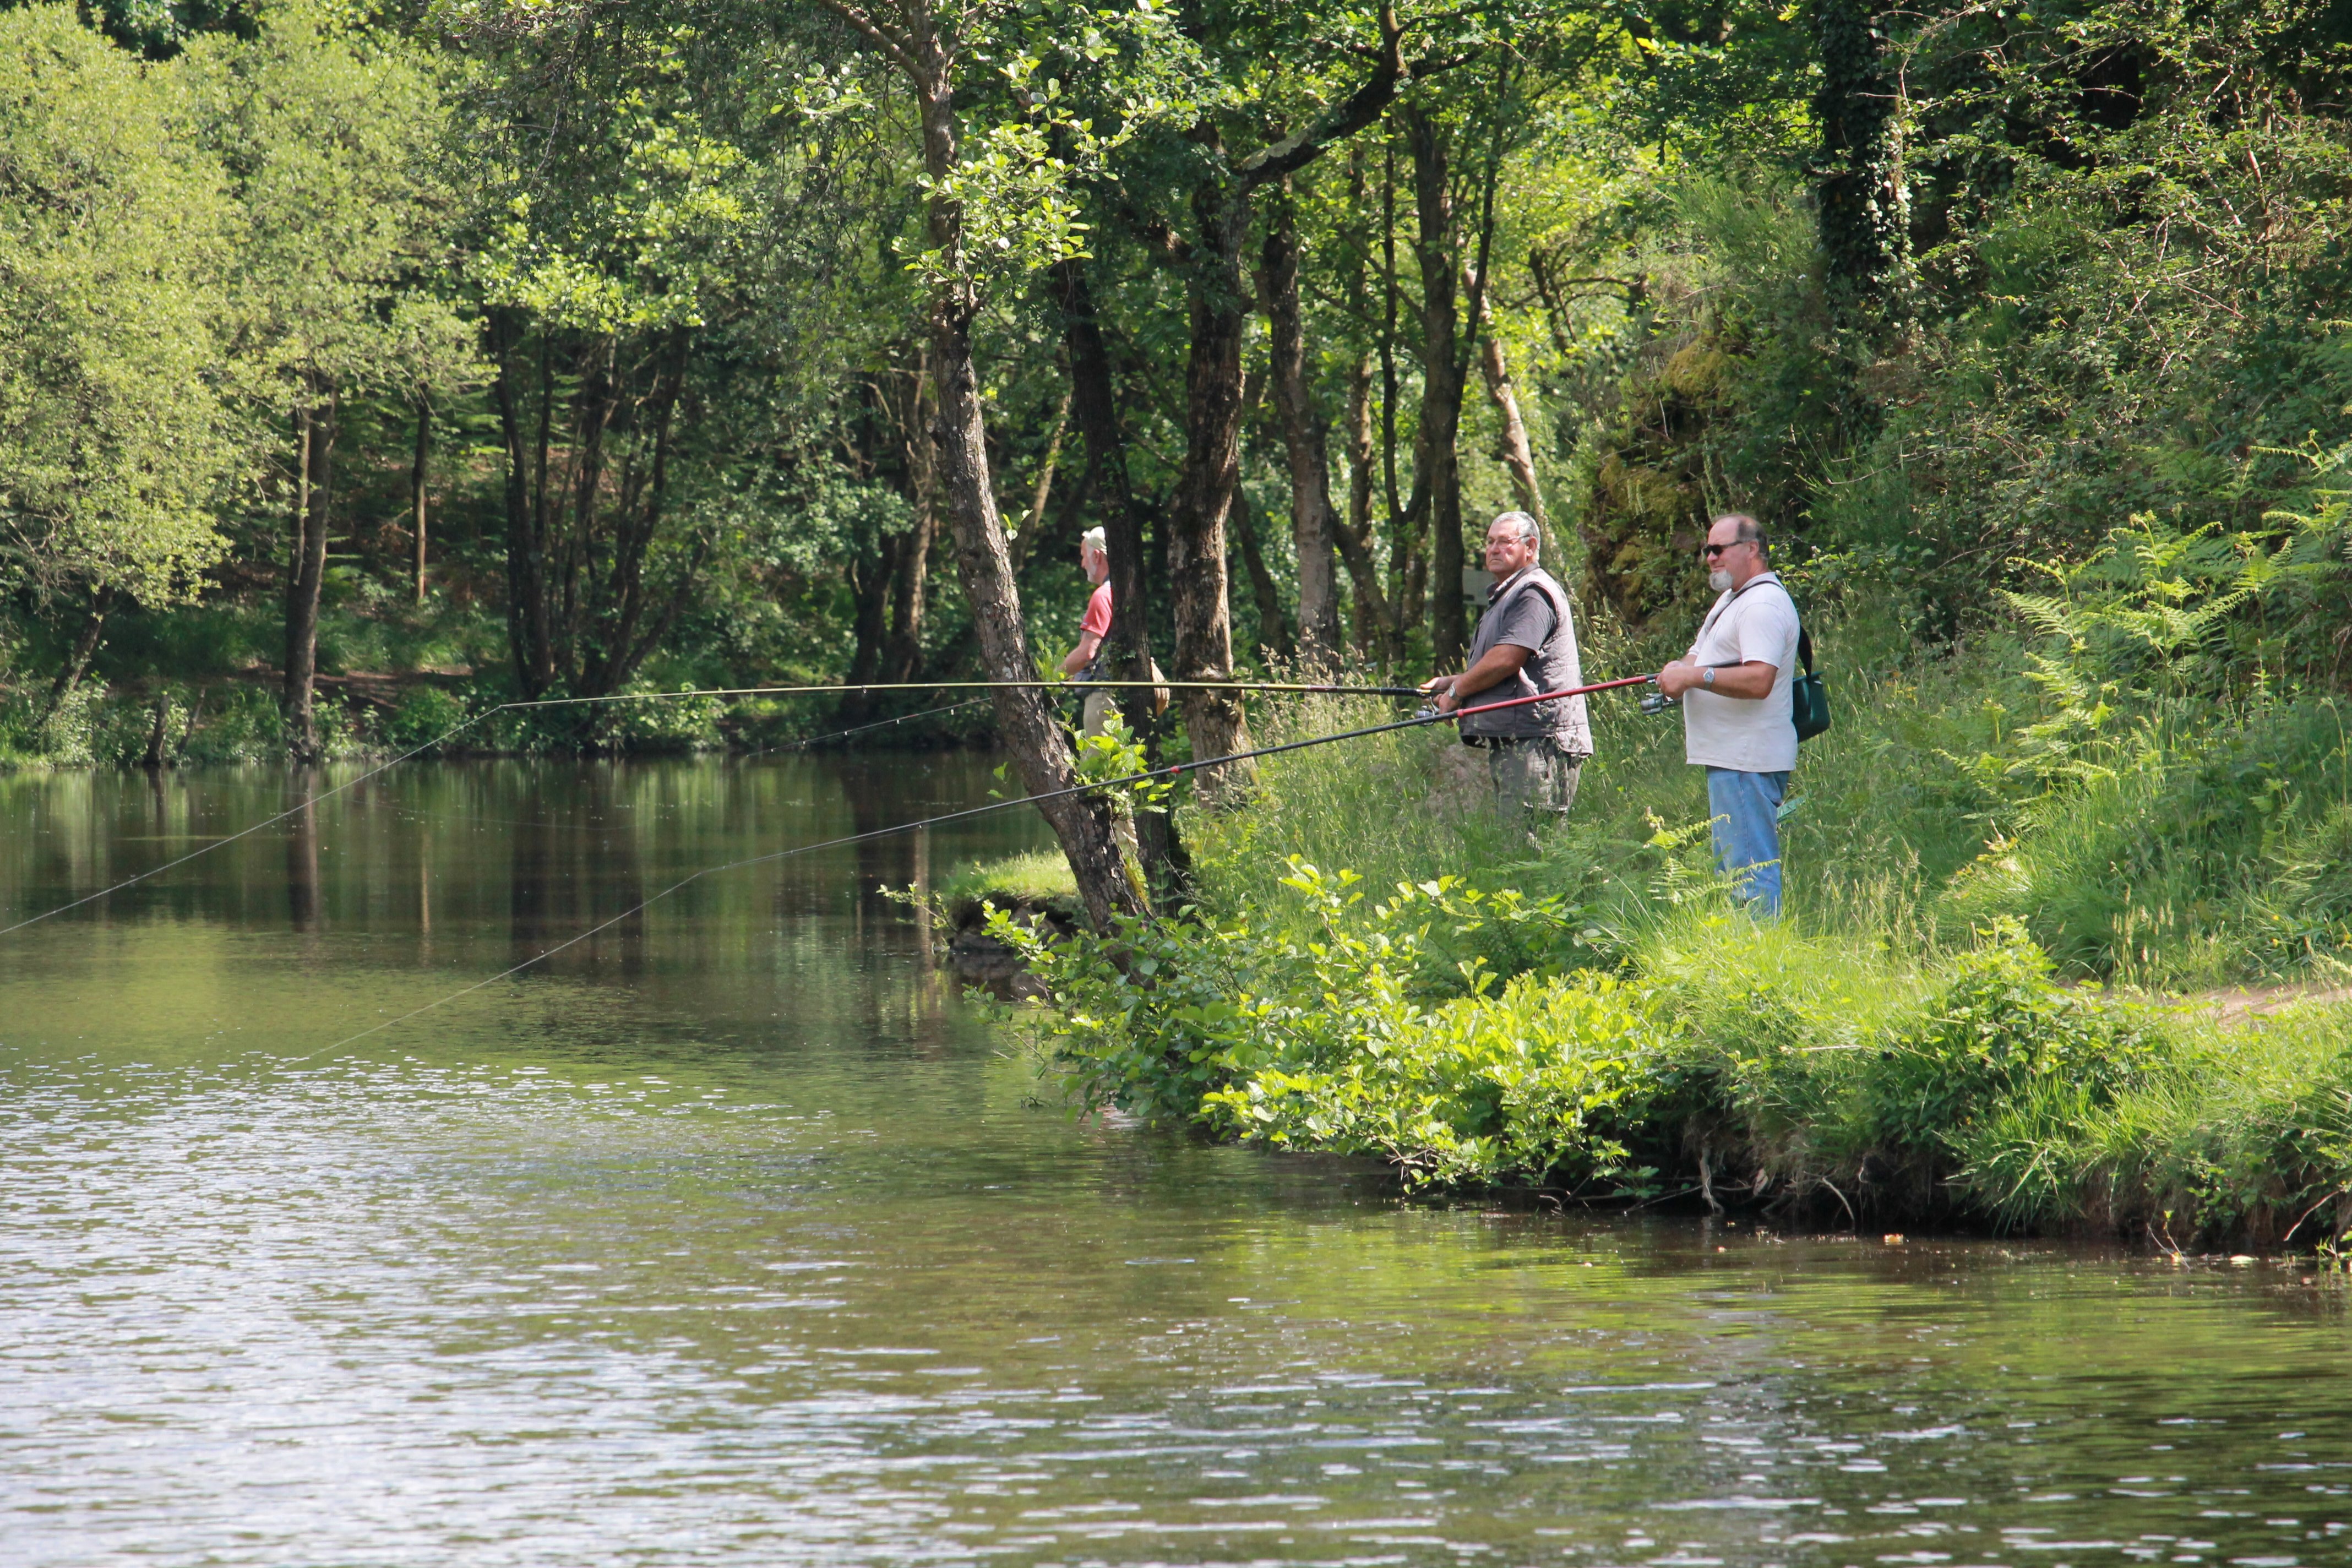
point(1096, 622)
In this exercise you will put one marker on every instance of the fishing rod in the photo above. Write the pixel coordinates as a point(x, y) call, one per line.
point(1170, 773)
point(1316, 688)
point(1308, 688)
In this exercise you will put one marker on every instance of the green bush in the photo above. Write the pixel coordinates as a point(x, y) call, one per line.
point(1548, 1080)
point(425, 714)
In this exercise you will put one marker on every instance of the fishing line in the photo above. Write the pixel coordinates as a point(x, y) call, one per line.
point(466, 724)
point(877, 724)
point(1170, 773)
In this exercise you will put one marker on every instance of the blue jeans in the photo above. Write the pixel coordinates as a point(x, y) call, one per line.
point(1746, 830)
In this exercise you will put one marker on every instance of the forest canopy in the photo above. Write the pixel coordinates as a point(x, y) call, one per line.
point(429, 356)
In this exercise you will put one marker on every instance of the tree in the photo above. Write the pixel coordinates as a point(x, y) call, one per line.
point(1860, 191)
point(1229, 173)
point(1305, 429)
point(116, 442)
point(970, 209)
point(331, 139)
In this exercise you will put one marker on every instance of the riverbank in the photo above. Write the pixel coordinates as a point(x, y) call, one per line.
point(371, 717)
point(1977, 1013)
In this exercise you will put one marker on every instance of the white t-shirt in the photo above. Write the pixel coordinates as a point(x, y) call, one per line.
point(1757, 622)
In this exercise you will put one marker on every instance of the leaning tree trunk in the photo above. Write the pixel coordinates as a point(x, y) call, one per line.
point(85, 649)
point(1313, 525)
point(1516, 450)
point(314, 437)
point(1025, 725)
point(1442, 388)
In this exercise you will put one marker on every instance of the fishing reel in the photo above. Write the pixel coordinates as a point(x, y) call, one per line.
point(1655, 702)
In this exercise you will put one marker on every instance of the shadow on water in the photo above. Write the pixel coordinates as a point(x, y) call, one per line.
point(732, 1233)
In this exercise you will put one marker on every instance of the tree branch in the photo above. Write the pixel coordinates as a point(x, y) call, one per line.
point(885, 38)
point(1359, 110)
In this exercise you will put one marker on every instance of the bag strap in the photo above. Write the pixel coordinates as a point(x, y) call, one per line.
point(1723, 606)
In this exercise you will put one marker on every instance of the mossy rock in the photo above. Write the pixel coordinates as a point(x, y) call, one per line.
point(1033, 891)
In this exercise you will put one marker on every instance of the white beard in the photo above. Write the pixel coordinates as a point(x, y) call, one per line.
point(1719, 580)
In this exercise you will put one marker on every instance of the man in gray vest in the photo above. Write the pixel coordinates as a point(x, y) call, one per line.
point(1526, 643)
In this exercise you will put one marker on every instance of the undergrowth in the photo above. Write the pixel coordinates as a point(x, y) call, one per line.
point(2002, 863)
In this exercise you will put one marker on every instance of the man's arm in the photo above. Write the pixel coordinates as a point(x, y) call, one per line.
point(1496, 665)
point(1076, 661)
point(1752, 680)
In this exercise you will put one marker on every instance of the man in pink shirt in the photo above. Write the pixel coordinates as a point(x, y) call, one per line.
point(1094, 559)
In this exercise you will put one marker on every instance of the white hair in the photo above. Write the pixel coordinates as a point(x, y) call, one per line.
point(1530, 532)
point(1092, 539)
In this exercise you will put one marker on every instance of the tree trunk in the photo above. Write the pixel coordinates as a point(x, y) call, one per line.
point(1859, 189)
point(1376, 626)
point(1094, 403)
point(906, 403)
point(314, 436)
point(1514, 448)
point(1204, 489)
point(870, 578)
point(1025, 725)
point(1404, 596)
point(576, 653)
point(1440, 399)
point(1212, 412)
point(1273, 627)
point(1313, 527)
point(1033, 520)
point(639, 517)
point(416, 484)
point(910, 587)
point(85, 649)
point(527, 633)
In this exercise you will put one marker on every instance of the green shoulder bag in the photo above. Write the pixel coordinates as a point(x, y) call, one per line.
point(1809, 695)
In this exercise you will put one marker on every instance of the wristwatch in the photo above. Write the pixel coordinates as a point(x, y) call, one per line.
point(1707, 676)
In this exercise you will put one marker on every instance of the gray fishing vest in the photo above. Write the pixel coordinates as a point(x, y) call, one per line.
point(1555, 666)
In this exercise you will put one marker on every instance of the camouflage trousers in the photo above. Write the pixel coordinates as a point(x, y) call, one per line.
point(1535, 781)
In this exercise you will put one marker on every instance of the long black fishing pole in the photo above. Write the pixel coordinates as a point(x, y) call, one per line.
point(467, 724)
point(1169, 774)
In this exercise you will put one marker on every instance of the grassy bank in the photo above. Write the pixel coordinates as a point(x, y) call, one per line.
point(1988, 1003)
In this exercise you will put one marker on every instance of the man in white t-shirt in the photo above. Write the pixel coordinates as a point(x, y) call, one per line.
point(1737, 724)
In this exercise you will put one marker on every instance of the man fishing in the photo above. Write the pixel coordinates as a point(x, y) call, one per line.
point(1093, 626)
point(1526, 643)
point(1736, 722)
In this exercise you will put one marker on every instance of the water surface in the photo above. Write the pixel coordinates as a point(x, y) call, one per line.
point(729, 1236)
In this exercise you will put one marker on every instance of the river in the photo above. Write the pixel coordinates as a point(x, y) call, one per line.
point(728, 1234)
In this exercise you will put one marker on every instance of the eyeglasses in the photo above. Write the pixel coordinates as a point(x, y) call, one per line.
point(1711, 550)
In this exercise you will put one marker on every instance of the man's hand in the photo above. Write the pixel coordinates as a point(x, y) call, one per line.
point(1678, 677)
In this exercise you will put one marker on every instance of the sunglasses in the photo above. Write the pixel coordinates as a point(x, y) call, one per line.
point(1712, 550)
